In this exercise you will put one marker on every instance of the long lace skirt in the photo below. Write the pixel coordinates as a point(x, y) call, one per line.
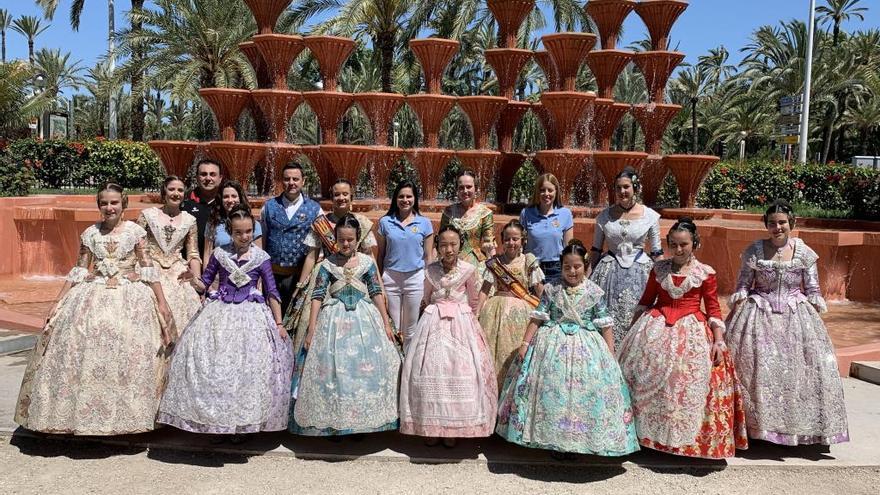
point(623, 288)
point(182, 298)
point(504, 319)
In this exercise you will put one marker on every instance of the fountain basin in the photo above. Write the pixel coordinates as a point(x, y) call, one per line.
point(279, 51)
point(508, 122)
point(382, 163)
point(322, 168)
point(483, 162)
point(431, 109)
point(690, 171)
point(607, 117)
point(429, 163)
point(657, 68)
point(566, 165)
point(659, 16)
point(380, 109)
point(483, 113)
point(347, 161)
point(266, 13)
point(509, 165)
point(569, 51)
point(609, 16)
point(652, 175)
point(434, 55)
point(653, 119)
point(277, 106)
point(548, 67)
point(176, 156)
point(330, 52)
point(227, 104)
point(567, 110)
point(606, 66)
point(507, 63)
point(329, 107)
point(252, 52)
point(238, 158)
point(611, 163)
point(510, 15)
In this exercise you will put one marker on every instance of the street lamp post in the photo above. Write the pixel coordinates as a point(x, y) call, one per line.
point(39, 87)
point(808, 82)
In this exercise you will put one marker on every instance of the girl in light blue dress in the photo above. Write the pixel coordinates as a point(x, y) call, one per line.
point(566, 392)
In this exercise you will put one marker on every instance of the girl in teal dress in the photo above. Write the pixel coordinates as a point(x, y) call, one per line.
point(566, 392)
point(348, 381)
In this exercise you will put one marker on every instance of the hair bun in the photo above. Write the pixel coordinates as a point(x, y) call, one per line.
point(576, 242)
point(686, 220)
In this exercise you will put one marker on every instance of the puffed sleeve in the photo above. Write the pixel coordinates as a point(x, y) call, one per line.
point(598, 236)
point(145, 269)
point(371, 279)
point(746, 277)
point(601, 318)
point(322, 282)
point(269, 280)
point(536, 275)
point(709, 292)
point(192, 243)
point(654, 239)
point(311, 240)
point(542, 312)
point(811, 279)
point(80, 271)
point(652, 289)
point(369, 242)
point(210, 271)
point(487, 228)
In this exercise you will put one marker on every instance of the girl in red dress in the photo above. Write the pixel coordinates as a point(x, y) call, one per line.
point(685, 393)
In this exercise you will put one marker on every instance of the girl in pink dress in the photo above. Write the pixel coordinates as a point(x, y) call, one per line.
point(448, 388)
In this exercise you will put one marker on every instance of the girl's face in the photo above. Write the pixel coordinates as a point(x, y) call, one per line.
point(573, 269)
point(110, 205)
point(778, 226)
point(174, 192)
point(467, 189)
point(547, 193)
point(681, 246)
point(230, 198)
point(448, 245)
point(346, 240)
point(512, 238)
point(405, 200)
point(342, 196)
point(623, 190)
point(242, 233)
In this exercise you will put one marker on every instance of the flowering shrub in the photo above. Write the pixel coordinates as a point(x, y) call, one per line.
point(16, 179)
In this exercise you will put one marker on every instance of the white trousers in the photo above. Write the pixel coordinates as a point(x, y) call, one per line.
point(404, 291)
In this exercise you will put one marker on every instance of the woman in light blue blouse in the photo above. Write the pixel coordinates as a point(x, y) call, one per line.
point(405, 244)
point(550, 226)
point(231, 194)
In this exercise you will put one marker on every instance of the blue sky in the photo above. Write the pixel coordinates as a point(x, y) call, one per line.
point(706, 24)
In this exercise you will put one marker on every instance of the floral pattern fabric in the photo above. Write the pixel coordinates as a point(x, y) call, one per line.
point(448, 385)
point(349, 378)
point(477, 227)
point(568, 393)
point(784, 357)
point(98, 366)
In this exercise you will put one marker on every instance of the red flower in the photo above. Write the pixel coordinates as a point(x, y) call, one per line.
point(740, 187)
point(800, 185)
point(761, 199)
point(724, 171)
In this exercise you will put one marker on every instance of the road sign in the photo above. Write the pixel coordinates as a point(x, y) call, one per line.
point(790, 139)
point(789, 130)
point(789, 120)
point(791, 105)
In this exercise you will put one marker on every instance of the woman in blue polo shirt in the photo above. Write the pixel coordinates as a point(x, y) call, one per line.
point(405, 242)
point(549, 225)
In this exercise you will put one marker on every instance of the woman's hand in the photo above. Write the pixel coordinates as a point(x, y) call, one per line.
point(523, 348)
point(168, 322)
point(186, 276)
point(389, 331)
point(718, 348)
point(307, 342)
point(282, 332)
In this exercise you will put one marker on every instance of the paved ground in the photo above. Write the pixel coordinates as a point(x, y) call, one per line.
point(172, 461)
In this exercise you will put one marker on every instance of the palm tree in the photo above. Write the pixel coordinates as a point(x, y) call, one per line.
point(61, 73)
point(29, 27)
point(839, 11)
point(5, 23)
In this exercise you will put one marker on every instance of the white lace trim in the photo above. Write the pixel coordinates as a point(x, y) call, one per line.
point(717, 323)
point(238, 275)
point(695, 277)
point(818, 302)
point(77, 274)
point(153, 217)
point(738, 296)
point(603, 322)
point(148, 274)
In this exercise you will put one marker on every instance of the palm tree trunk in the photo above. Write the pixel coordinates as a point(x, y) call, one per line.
point(138, 112)
point(385, 43)
point(31, 51)
point(4, 46)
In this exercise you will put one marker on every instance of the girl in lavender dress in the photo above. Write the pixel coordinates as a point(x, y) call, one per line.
point(784, 358)
point(448, 387)
point(231, 371)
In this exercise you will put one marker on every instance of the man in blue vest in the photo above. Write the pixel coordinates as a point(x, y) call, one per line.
point(286, 220)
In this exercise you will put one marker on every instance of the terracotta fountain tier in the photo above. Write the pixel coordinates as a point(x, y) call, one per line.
point(238, 158)
point(510, 15)
point(330, 52)
point(551, 133)
point(431, 110)
point(483, 113)
point(277, 106)
point(382, 163)
point(653, 119)
point(548, 67)
point(508, 122)
point(176, 156)
point(483, 162)
point(508, 167)
point(279, 51)
point(227, 104)
point(606, 119)
point(606, 66)
point(380, 109)
point(250, 50)
point(507, 63)
point(659, 16)
point(569, 51)
point(329, 107)
point(690, 171)
point(266, 13)
point(277, 156)
point(611, 163)
point(434, 55)
point(322, 168)
point(566, 165)
point(567, 110)
point(609, 16)
point(657, 67)
point(653, 173)
point(429, 163)
point(347, 161)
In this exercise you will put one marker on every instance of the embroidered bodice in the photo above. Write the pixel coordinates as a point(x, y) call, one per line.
point(675, 296)
point(626, 237)
point(454, 291)
point(477, 227)
point(239, 277)
point(573, 308)
point(114, 256)
point(346, 285)
point(525, 268)
point(167, 239)
point(775, 285)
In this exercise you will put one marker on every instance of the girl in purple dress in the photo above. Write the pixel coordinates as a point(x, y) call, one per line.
point(231, 370)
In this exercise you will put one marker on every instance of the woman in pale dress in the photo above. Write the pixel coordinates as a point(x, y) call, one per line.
point(622, 271)
point(99, 366)
point(448, 387)
point(781, 349)
point(171, 233)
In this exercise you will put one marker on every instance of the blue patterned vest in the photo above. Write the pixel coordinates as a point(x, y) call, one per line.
point(284, 238)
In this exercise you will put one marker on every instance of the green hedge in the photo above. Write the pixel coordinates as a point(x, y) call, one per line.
point(71, 164)
point(826, 187)
point(16, 179)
